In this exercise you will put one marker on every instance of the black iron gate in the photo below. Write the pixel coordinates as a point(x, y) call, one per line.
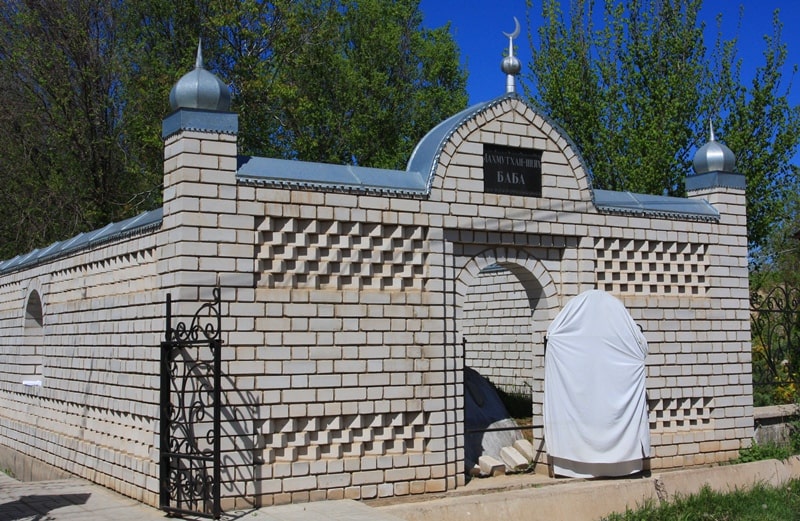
point(190, 413)
point(775, 327)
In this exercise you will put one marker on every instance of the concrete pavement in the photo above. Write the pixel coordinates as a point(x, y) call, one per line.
point(74, 499)
point(529, 497)
point(67, 500)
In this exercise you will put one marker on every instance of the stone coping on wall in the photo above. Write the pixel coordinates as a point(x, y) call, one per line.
point(773, 413)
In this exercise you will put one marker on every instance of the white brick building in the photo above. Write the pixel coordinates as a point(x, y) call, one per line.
point(352, 298)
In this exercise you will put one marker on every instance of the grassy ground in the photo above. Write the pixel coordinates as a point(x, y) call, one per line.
point(758, 504)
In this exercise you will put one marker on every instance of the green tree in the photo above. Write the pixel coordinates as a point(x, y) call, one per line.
point(87, 84)
point(763, 130)
point(58, 152)
point(775, 293)
point(339, 81)
point(348, 81)
point(635, 87)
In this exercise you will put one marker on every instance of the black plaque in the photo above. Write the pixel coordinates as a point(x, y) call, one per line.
point(511, 170)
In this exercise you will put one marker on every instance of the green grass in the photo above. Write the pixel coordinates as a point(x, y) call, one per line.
point(760, 503)
point(758, 452)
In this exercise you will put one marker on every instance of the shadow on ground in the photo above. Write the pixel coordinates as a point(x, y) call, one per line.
point(37, 507)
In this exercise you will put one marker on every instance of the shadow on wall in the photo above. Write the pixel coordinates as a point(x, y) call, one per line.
point(242, 464)
point(195, 388)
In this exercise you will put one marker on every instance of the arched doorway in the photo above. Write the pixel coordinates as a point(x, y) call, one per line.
point(506, 299)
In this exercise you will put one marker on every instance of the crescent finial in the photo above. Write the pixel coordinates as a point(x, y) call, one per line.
point(516, 30)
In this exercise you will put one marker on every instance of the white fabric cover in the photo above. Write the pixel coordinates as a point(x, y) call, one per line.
point(595, 408)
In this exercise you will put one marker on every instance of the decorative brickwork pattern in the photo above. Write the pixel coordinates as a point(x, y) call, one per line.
point(348, 318)
point(651, 267)
point(343, 255)
point(335, 437)
point(681, 414)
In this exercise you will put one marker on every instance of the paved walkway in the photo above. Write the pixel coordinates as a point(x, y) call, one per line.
point(78, 500)
point(513, 497)
point(67, 500)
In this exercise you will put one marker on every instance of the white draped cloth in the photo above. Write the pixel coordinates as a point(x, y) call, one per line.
point(595, 406)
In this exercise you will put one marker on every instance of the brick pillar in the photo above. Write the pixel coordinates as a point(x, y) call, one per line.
point(729, 344)
point(204, 238)
point(208, 237)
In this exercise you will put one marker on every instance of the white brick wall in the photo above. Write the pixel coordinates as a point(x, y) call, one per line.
point(95, 413)
point(344, 317)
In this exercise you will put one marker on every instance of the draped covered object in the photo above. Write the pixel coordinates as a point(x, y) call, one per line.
point(595, 407)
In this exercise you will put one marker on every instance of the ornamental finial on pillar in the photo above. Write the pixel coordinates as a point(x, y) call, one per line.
point(511, 65)
point(200, 89)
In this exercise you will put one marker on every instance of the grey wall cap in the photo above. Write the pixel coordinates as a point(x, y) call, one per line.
point(715, 180)
point(286, 173)
point(142, 223)
point(607, 201)
point(200, 121)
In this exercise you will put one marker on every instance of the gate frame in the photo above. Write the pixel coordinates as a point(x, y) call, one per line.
point(197, 498)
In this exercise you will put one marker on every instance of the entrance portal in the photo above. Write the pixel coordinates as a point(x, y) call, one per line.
point(504, 313)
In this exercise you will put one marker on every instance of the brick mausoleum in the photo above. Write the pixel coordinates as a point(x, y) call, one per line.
point(353, 297)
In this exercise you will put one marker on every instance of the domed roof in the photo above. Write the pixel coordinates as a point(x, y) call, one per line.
point(200, 89)
point(714, 157)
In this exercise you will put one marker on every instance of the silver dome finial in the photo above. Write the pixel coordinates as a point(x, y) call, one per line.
point(200, 89)
point(713, 156)
point(510, 64)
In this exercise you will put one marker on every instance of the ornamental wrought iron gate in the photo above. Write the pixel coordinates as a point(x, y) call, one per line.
point(190, 413)
point(775, 327)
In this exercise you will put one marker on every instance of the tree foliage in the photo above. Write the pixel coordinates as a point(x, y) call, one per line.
point(775, 320)
point(87, 84)
point(59, 152)
point(763, 129)
point(635, 87)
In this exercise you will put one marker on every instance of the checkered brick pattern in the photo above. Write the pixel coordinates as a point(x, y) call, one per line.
point(681, 414)
point(343, 255)
point(651, 268)
point(335, 437)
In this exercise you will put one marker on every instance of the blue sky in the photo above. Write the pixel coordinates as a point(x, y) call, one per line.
point(478, 27)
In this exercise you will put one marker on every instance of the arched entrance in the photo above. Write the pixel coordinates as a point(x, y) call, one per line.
point(505, 301)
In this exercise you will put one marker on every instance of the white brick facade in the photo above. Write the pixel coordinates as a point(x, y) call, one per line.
point(348, 316)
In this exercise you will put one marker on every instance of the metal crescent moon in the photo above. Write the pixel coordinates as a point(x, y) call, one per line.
point(516, 29)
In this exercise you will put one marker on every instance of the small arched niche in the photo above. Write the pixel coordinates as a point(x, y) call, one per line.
point(33, 328)
point(34, 315)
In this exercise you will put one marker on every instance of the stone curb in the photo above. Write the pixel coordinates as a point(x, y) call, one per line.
point(593, 499)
